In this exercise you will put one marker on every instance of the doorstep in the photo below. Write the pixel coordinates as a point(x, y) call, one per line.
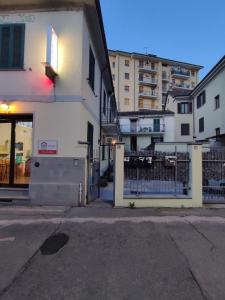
point(10, 194)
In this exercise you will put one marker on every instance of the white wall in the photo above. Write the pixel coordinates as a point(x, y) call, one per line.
point(169, 129)
point(32, 84)
point(213, 118)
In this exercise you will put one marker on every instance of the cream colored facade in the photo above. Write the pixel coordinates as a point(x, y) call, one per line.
point(142, 81)
point(62, 110)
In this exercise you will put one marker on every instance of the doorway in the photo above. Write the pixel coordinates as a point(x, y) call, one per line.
point(16, 133)
point(133, 143)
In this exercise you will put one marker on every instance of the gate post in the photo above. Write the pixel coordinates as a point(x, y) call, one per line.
point(118, 174)
point(195, 175)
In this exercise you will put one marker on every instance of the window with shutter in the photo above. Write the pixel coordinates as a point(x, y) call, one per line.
point(91, 69)
point(12, 46)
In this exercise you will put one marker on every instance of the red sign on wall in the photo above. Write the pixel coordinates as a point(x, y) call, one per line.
point(47, 147)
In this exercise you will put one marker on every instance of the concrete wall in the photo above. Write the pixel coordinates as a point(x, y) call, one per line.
point(214, 118)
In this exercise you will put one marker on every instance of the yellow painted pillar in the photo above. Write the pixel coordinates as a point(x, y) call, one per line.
point(119, 174)
point(195, 192)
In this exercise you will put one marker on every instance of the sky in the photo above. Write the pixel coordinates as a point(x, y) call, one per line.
point(191, 31)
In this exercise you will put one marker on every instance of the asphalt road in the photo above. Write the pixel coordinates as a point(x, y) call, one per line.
point(113, 258)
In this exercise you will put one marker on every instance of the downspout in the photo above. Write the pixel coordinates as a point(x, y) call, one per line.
point(100, 130)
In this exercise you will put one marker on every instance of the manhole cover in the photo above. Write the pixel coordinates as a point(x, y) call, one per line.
point(54, 243)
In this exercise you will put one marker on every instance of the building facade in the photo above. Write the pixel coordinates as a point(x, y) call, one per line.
point(56, 91)
point(209, 106)
point(181, 104)
point(142, 130)
point(143, 81)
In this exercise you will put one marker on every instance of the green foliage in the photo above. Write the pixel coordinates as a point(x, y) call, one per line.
point(132, 205)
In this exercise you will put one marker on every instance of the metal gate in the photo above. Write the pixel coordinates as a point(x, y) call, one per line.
point(213, 179)
point(152, 172)
point(93, 177)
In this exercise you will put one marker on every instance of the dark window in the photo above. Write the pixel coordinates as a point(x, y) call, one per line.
point(185, 129)
point(192, 73)
point(113, 76)
point(91, 69)
point(12, 46)
point(127, 76)
point(127, 63)
point(217, 102)
point(113, 64)
point(126, 88)
point(201, 125)
point(217, 131)
point(90, 137)
point(184, 108)
point(201, 99)
point(104, 103)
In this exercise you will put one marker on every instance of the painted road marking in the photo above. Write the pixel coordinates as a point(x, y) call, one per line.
point(7, 239)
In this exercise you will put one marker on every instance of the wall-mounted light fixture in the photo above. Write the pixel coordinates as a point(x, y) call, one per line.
point(51, 64)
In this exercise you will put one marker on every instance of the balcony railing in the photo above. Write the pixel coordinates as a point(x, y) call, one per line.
point(142, 129)
point(148, 67)
point(182, 86)
point(165, 77)
point(150, 81)
point(180, 72)
point(151, 94)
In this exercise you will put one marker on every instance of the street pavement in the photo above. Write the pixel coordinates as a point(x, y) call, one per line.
point(113, 254)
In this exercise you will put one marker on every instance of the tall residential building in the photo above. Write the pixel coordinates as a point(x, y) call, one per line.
point(143, 81)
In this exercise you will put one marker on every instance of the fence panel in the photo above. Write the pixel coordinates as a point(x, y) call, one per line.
point(152, 172)
point(213, 168)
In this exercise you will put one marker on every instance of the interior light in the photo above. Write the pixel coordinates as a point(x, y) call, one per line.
point(4, 107)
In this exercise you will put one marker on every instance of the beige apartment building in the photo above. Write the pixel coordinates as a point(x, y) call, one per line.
point(143, 81)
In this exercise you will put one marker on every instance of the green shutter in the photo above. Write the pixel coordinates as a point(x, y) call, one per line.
point(12, 46)
point(4, 46)
point(18, 46)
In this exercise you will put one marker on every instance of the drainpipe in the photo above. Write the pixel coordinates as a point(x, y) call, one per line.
point(100, 131)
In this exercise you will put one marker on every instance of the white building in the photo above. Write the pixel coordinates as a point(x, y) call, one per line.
point(141, 130)
point(209, 106)
point(56, 92)
point(181, 104)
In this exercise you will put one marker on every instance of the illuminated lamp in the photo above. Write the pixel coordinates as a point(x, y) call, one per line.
point(51, 65)
point(4, 107)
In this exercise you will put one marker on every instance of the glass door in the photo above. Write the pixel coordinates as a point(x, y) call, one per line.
point(15, 150)
point(23, 150)
point(5, 151)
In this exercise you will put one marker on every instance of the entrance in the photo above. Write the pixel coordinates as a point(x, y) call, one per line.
point(15, 150)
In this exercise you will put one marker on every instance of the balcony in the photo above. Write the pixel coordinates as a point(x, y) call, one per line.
point(148, 68)
point(110, 120)
point(165, 77)
point(142, 129)
point(148, 81)
point(180, 73)
point(148, 95)
point(182, 86)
